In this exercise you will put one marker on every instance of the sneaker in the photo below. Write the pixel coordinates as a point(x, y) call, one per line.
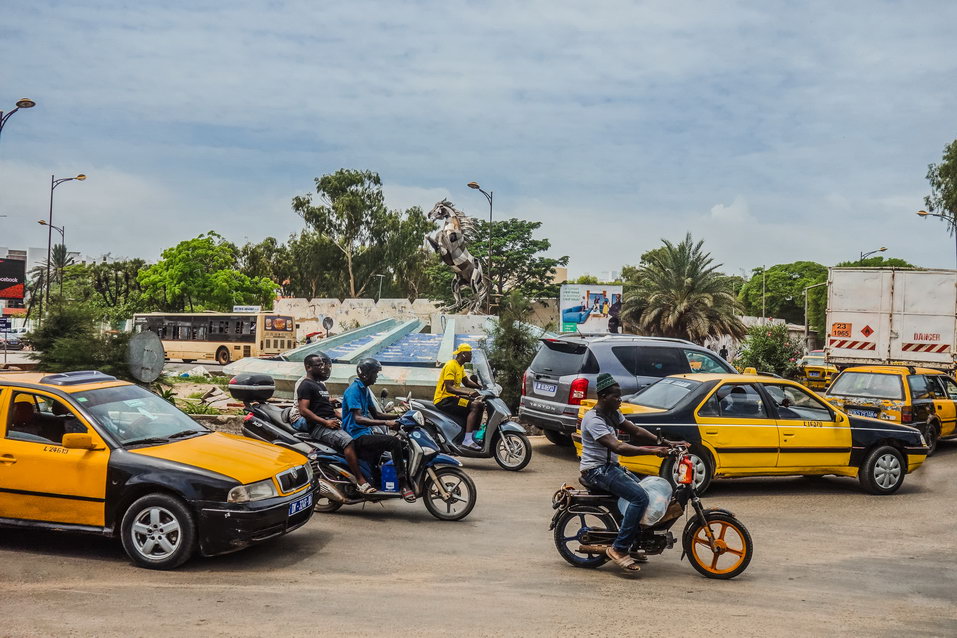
point(475, 447)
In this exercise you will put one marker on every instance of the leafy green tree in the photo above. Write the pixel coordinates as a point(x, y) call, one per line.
point(876, 262)
point(518, 259)
point(202, 273)
point(314, 266)
point(406, 261)
point(769, 348)
point(678, 292)
point(586, 279)
point(352, 214)
point(779, 290)
point(269, 258)
point(511, 345)
point(943, 187)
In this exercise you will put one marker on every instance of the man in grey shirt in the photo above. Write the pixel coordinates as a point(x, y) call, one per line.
point(599, 463)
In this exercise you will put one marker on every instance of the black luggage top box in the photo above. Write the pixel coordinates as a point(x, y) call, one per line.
point(250, 388)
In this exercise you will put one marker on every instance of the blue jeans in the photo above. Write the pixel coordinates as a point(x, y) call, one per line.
point(623, 484)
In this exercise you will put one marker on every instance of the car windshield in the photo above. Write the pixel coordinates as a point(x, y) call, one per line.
point(664, 394)
point(132, 414)
point(871, 385)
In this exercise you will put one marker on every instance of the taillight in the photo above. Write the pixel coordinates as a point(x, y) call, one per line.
point(685, 471)
point(524, 379)
point(906, 415)
point(578, 391)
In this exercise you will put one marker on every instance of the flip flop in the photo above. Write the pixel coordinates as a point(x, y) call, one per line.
point(408, 495)
point(626, 562)
point(366, 488)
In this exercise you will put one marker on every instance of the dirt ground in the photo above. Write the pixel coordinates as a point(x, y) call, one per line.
point(829, 560)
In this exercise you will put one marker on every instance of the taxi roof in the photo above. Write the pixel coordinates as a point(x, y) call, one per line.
point(16, 377)
point(890, 369)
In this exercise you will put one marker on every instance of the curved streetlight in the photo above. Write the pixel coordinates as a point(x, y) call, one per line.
point(62, 231)
point(488, 293)
point(873, 252)
point(23, 103)
point(951, 221)
point(54, 182)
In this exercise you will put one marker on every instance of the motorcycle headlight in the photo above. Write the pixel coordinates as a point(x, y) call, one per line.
point(252, 492)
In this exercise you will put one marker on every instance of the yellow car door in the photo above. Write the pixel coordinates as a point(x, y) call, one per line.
point(813, 436)
point(735, 422)
point(40, 480)
point(945, 403)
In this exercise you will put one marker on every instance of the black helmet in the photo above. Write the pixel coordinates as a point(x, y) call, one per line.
point(368, 366)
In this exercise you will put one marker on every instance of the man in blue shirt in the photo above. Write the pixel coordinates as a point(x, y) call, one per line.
point(359, 417)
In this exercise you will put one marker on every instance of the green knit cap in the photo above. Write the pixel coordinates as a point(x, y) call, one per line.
point(605, 381)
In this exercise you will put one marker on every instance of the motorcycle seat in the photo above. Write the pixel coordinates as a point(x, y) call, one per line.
point(279, 416)
point(592, 488)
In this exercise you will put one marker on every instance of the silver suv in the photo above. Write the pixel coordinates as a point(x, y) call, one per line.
point(565, 369)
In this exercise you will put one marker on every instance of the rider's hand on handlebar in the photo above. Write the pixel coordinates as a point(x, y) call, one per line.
point(393, 424)
point(662, 451)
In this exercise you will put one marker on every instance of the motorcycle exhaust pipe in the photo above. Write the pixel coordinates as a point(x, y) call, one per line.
point(330, 491)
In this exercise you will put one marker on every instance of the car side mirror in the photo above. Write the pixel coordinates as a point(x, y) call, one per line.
point(78, 441)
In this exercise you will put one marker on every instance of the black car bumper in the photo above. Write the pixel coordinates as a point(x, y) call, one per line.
point(228, 527)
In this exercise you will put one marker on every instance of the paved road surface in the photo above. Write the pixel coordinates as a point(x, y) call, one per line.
point(829, 560)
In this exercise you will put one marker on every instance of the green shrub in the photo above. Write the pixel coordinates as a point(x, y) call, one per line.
point(511, 344)
point(769, 348)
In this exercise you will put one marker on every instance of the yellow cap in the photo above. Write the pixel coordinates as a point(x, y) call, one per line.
point(463, 347)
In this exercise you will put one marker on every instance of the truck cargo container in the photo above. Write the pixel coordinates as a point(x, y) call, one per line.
point(891, 316)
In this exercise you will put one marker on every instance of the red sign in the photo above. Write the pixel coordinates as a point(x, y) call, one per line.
point(867, 331)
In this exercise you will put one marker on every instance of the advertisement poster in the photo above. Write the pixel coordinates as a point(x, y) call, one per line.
point(12, 278)
point(590, 308)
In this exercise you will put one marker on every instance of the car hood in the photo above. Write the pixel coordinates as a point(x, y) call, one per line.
point(237, 457)
point(866, 423)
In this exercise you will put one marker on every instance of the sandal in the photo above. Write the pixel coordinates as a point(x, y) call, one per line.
point(366, 488)
point(626, 562)
point(408, 495)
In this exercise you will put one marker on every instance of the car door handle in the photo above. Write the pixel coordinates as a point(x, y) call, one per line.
point(788, 433)
point(711, 432)
point(8, 459)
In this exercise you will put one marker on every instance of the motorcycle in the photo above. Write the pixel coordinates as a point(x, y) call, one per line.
point(447, 491)
point(587, 521)
point(500, 437)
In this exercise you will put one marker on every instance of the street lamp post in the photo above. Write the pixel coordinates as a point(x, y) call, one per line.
point(54, 182)
point(823, 283)
point(23, 103)
point(488, 293)
point(62, 231)
point(873, 252)
point(951, 221)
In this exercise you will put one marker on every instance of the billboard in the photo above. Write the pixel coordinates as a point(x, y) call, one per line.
point(13, 274)
point(589, 308)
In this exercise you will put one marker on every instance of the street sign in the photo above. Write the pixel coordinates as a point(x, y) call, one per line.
point(4, 323)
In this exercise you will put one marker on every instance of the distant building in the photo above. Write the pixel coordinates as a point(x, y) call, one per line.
point(559, 275)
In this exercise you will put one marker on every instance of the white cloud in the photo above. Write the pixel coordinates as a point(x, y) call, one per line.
point(737, 211)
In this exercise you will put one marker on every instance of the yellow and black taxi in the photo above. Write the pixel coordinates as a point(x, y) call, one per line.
point(814, 372)
point(83, 451)
point(755, 425)
point(924, 397)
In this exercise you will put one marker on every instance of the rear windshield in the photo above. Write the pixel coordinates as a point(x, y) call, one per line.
point(868, 384)
point(664, 394)
point(561, 358)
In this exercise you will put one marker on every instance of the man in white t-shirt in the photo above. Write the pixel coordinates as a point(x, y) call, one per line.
point(599, 463)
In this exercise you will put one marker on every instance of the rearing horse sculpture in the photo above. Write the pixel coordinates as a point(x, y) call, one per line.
point(449, 241)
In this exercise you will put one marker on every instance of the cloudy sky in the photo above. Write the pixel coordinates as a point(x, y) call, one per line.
point(776, 131)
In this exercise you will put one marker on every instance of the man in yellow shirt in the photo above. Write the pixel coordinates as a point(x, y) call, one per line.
point(453, 397)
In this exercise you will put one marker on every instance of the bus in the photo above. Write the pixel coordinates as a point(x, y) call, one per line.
point(218, 336)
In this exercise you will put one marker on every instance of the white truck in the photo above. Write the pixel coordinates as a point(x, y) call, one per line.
point(889, 315)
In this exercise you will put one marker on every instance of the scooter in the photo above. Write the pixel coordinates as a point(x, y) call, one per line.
point(447, 491)
point(500, 437)
point(587, 521)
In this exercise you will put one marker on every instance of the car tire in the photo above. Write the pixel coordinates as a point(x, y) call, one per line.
point(558, 438)
point(704, 468)
point(158, 531)
point(222, 356)
point(883, 470)
point(933, 436)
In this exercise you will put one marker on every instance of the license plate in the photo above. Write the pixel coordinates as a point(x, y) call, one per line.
point(546, 388)
point(298, 506)
point(855, 412)
point(812, 373)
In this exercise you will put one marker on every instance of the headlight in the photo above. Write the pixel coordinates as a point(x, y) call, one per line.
point(252, 492)
point(310, 473)
point(923, 441)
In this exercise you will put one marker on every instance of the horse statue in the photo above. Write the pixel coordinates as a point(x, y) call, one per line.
point(449, 241)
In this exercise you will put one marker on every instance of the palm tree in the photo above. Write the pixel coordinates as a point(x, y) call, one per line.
point(36, 284)
point(59, 260)
point(680, 293)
